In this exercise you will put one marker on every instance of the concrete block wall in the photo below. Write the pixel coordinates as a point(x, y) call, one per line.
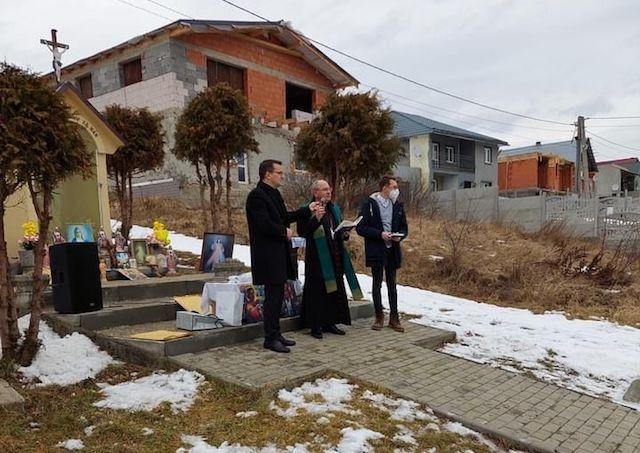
point(525, 212)
point(158, 94)
point(267, 70)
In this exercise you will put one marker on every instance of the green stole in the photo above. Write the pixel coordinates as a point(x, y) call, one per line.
point(326, 265)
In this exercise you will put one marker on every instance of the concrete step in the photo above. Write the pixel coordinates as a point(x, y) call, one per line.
point(9, 398)
point(111, 328)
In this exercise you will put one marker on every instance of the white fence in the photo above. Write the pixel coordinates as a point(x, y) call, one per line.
point(615, 217)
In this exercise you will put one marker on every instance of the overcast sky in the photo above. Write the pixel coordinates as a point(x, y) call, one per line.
point(548, 59)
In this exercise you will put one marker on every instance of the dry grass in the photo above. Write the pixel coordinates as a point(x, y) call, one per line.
point(550, 270)
point(55, 414)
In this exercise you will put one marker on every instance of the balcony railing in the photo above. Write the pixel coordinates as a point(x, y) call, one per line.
point(462, 163)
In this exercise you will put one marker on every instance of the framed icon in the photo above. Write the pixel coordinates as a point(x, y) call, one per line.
point(216, 249)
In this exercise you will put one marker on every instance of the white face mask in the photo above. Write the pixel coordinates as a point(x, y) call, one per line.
point(394, 194)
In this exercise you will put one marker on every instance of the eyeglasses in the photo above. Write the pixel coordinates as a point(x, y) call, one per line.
point(277, 172)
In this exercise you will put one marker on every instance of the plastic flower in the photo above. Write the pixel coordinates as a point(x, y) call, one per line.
point(29, 235)
point(160, 235)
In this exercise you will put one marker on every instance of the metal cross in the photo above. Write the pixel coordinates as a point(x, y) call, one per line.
point(57, 49)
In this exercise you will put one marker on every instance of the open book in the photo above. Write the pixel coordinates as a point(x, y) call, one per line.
point(347, 225)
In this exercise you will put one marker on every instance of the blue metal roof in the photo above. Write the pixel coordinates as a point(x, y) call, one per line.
point(409, 125)
point(567, 150)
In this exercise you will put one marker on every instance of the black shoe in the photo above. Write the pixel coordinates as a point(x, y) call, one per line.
point(316, 334)
point(286, 341)
point(335, 330)
point(276, 345)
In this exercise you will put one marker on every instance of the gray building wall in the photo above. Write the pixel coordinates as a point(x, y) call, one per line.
point(169, 81)
point(486, 172)
point(608, 180)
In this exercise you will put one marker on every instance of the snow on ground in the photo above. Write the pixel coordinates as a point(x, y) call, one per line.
point(589, 356)
point(179, 389)
point(63, 361)
point(593, 356)
point(322, 398)
point(71, 444)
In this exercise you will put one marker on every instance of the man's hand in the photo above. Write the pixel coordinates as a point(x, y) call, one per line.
point(386, 236)
point(319, 211)
point(289, 234)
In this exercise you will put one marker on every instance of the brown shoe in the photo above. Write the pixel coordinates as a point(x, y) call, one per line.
point(379, 324)
point(394, 323)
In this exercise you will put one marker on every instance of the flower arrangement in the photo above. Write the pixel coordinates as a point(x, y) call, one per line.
point(29, 235)
point(159, 236)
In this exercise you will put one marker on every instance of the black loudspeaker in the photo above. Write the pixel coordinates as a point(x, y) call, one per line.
point(75, 277)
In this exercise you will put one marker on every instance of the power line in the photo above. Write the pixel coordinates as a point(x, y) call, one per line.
point(406, 79)
point(460, 113)
point(145, 10)
point(170, 9)
point(615, 125)
point(612, 118)
point(246, 10)
point(613, 143)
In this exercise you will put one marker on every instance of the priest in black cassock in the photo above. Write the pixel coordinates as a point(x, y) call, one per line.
point(324, 299)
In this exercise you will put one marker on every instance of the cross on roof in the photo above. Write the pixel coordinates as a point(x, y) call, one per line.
point(57, 49)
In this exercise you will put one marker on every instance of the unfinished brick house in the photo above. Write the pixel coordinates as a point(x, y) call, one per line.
point(284, 77)
point(545, 168)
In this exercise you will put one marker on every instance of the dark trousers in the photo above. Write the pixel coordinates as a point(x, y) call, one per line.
point(389, 270)
point(273, 296)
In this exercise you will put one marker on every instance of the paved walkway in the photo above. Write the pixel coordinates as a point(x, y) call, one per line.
point(528, 414)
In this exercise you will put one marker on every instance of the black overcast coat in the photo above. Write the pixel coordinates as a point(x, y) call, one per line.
point(268, 220)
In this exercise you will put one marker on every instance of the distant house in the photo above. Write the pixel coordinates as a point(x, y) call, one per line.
point(546, 167)
point(284, 77)
point(616, 176)
point(444, 157)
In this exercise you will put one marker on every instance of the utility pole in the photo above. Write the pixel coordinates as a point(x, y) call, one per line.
point(57, 49)
point(580, 140)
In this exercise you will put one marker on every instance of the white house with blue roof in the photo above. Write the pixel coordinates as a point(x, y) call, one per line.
point(445, 157)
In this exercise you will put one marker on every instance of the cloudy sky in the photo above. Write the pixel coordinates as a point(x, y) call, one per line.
point(548, 59)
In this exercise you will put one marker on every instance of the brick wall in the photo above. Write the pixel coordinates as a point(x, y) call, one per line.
point(518, 174)
point(267, 70)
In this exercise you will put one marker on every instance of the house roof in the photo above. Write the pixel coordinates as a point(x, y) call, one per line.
point(566, 150)
point(113, 139)
point(409, 125)
point(629, 164)
point(281, 30)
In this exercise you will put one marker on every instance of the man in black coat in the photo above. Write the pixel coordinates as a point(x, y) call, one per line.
point(270, 240)
point(324, 300)
point(383, 226)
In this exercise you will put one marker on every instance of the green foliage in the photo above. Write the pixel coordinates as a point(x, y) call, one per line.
point(40, 146)
point(215, 126)
point(143, 151)
point(38, 140)
point(350, 140)
point(143, 136)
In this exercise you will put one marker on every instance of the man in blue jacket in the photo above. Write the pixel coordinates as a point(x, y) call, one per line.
point(383, 226)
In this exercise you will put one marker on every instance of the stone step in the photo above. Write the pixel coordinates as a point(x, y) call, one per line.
point(111, 328)
point(9, 398)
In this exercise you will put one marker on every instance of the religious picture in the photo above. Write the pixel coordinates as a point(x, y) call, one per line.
point(139, 251)
point(216, 249)
point(79, 232)
point(122, 259)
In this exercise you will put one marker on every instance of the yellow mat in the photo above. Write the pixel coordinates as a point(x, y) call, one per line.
point(160, 335)
point(190, 303)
